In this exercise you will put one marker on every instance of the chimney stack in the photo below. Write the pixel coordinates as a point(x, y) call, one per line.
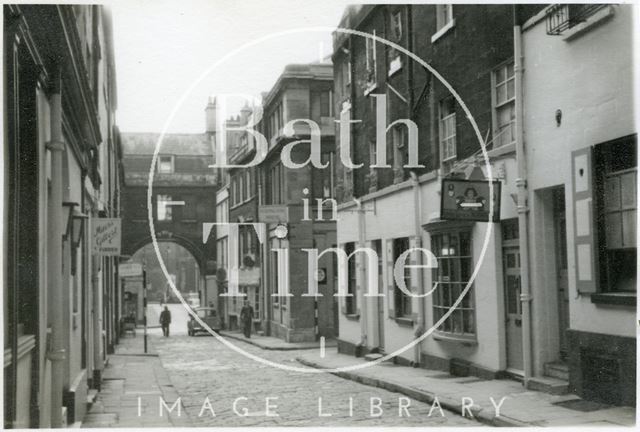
point(210, 115)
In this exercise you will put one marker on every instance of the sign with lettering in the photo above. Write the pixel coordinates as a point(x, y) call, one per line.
point(130, 270)
point(249, 276)
point(273, 214)
point(106, 236)
point(469, 200)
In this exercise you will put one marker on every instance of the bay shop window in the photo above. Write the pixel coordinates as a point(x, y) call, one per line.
point(452, 248)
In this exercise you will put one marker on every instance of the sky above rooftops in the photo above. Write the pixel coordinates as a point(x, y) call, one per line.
point(163, 47)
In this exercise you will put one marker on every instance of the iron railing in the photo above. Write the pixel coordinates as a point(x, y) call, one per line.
point(562, 17)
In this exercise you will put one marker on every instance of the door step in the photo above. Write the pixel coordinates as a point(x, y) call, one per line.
point(373, 356)
point(558, 370)
point(515, 374)
point(377, 356)
point(91, 396)
point(549, 385)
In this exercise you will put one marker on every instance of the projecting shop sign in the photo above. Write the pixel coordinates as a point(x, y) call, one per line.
point(469, 200)
point(106, 234)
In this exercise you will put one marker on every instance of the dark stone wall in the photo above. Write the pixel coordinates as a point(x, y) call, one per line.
point(185, 228)
point(602, 367)
point(465, 56)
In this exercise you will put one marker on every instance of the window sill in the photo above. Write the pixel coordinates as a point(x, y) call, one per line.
point(370, 87)
point(394, 67)
point(26, 344)
point(621, 299)
point(593, 21)
point(437, 35)
point(404, 322)
point(353, 317)
point(502, 150)
point(449, 159)
point(448, 337)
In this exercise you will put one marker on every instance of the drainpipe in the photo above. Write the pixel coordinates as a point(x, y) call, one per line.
point(417, 199)
point(97, 327)
point(422, 317)
point(363, 276)
point(523, 209)
point(57, 352)
point(266, 306)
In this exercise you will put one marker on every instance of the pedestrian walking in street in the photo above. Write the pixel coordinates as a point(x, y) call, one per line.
point(165, 321)
point(246, 316)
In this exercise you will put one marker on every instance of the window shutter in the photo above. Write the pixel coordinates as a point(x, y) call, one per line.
point(390, 282)
point(359, 282)
point(341, 300)
point(584, 229)
point(415, 259)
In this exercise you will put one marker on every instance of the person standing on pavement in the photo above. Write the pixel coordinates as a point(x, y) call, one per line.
point(165, 321)
point(246, 316)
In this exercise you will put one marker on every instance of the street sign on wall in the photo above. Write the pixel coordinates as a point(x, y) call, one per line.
point(469, 200)
point(105, 236)
point(273, 213)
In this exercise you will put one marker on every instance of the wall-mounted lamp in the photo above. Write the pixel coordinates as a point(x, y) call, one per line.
point(558, 117)
point(68, 218)
point(78, 228)
point(74, 231)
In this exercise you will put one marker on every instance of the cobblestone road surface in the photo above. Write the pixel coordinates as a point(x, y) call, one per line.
point(201, 367)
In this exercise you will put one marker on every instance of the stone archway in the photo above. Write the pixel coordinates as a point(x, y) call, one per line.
point(198, 252)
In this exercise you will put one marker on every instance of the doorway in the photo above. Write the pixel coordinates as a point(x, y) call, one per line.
point(560, 240)
point(513, 306)
point(377, 246)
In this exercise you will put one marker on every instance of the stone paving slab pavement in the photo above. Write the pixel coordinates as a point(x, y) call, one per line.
point(133, 385)
point(521, 407)
point(276, 344)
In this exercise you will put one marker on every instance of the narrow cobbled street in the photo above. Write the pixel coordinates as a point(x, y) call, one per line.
point(201, 367)
point(421, 214)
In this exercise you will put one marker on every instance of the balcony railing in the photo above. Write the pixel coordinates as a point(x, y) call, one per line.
point(562, 17)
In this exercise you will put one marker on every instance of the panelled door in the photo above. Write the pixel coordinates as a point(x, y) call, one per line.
point(377, 245)
point(560, 231)
point(513, 306)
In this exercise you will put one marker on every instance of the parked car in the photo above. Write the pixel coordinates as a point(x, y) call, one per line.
point(206, 314)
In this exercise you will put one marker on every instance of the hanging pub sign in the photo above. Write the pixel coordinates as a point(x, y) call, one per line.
point(469, 200)
point(105, 236)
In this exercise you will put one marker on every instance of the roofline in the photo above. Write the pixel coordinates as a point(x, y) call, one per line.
point(296, 74)
point(358, 18)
